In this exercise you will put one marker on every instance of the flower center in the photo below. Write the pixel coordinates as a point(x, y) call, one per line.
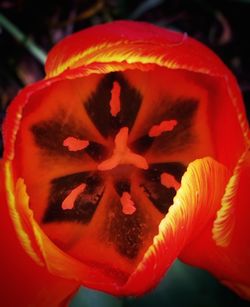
point(122, 154)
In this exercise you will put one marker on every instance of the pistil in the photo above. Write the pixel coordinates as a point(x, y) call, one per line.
point(122, 154)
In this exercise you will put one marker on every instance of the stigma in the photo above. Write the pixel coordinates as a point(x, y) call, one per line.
point(122, 154)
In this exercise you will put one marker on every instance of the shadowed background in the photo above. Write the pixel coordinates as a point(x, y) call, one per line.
point(37, 25)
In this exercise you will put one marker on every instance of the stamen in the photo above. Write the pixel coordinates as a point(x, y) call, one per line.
point(75, 144)
point(122, 154)
point(115, 104)
point(166, 125)
point(128, 206)
point(169, 181)
point(68, 202)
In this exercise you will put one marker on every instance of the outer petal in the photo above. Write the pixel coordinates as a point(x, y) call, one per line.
point(23, 282)
point(131, 42)
point(228, 262)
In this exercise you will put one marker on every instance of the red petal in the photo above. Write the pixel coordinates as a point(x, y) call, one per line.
point(24, 283)
point(229, 262)
point(132, 42)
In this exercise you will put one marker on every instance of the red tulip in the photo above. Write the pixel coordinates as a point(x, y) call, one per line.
point(133, 151)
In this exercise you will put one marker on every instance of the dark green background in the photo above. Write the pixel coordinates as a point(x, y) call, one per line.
point(184, 286)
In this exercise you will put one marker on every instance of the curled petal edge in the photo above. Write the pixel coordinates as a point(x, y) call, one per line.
point(224, 223)
point(227, 259)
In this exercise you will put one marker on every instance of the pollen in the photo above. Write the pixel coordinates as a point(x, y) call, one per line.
point(169, 181)
point(115, 104)
point(128, 206)
point(69, 201)
point(75, 144)
point(164, 126)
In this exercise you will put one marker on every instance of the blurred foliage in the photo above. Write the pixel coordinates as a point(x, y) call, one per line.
point(223, 25)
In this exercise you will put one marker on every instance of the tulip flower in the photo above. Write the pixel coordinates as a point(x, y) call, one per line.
point(133, 151)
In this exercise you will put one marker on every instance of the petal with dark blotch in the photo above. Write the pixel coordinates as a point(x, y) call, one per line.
point(125, 231)
point(66, 117)
point(125, 235)
point(85, 202)
point(98, 104)
point(183, 111)
point(52, 137)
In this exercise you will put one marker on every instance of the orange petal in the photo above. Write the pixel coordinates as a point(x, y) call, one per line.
point(132, 42)
point(24, 283)
point(226, 254)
